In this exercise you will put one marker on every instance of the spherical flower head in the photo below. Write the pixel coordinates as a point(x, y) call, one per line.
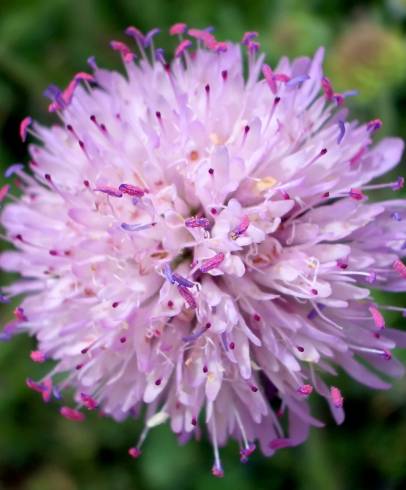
point(198, 245)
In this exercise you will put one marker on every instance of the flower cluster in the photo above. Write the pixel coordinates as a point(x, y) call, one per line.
point(196, 244)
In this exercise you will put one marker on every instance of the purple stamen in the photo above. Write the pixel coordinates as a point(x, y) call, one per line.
point(293, 82)
point(241, 228)
point(150, 35)
point(160, 55)
point(399, 184)
point(20, 315)
point(167, 272)
point(197, 223)
point(253, 47)
point(91, 61)
point(356, 194)
point(136, 226)
point(131, 190)
point(327, 88)
point(396, 216)
point(187, 296)
point(16, 167)
point(246, 452)
point(374, 125)
point(182, 281)
point(135, 33)
point(341, 126)
point(212, 262)
point(248, 36)
point(89, 402)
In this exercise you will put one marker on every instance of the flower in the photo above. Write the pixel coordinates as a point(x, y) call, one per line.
point(200, 247)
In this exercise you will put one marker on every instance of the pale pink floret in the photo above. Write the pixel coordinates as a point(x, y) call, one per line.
point(199, 246)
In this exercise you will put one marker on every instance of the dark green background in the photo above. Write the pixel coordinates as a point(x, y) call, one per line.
point(43, 41)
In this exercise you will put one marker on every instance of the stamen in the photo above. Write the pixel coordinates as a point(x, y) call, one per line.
point(182, 47)
point(149, 36)
point(336, 397)
point(396, 216)
point(72, 414)
point(25, 123)
point(136, 226)
point(374, 125)
point(131, 190)
point(341, 126)
point(3, 192)
point(248, 36)
point(305, 390)
point(89, 402)
point(399, 184)
point(377, 317)
point(20, 315)
point(134, 452)
point(38, 356)
point(197, 223)
point(217, 469)
point(135, 33)
point(212, 263)
point(12, 169)
point(293, 82)
point(399, 267)
point(327, 88)
point(83, 76)
point(187, 296)
point(182, 281)
point(241, 228)
point(175, 278)
point(196, 335)
point(246, 452)
point(356, 194)
point(177, 29)
point(160, 56)
point(124, 50)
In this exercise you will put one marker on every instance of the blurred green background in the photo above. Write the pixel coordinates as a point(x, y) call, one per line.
point(43, 41)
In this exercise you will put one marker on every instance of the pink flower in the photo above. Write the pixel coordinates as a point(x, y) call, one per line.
point(202, 244)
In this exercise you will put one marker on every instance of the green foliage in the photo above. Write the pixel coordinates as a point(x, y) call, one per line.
point(44, 41)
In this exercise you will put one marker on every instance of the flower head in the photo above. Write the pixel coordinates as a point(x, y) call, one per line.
point(199, 245)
